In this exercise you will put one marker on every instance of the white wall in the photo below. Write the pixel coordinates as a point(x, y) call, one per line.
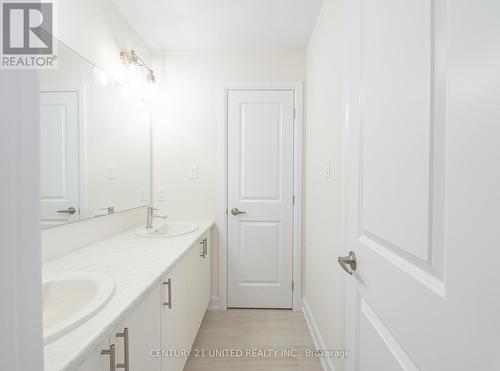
point(186, 123)
point(20, 277)
point(323, 211)
point(97, 31)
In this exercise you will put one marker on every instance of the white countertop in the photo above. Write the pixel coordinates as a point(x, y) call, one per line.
point(136, 264)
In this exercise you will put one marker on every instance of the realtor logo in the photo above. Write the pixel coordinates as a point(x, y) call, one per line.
point(27, 41)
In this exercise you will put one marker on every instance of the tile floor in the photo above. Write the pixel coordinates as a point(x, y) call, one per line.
point(253, 330)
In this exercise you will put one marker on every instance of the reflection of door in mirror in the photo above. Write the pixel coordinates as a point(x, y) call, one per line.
point(60, 200)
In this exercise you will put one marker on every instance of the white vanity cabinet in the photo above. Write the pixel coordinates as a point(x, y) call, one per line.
point(97, 361)
point(198, 285)
point(139, 334)
point(132, 341)
point(167, 320)
point(174, 317)
point(189, 298)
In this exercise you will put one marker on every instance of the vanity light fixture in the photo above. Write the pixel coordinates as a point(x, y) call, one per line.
point(131, 58)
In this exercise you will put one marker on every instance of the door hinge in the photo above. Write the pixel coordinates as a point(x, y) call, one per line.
point(294, 113)
point(293, 285)
point(293, 200)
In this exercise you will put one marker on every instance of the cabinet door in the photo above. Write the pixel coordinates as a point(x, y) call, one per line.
point(198, 285)
point(194, 290)
point(97, 361)
point(174, 327)
point(142, 327)
point(205, 273)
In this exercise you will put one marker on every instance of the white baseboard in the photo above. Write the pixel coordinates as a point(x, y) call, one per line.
point(327, 363)
point(214, 303)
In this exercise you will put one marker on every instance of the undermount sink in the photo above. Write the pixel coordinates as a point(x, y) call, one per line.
point(71, 299)
point(167, 230)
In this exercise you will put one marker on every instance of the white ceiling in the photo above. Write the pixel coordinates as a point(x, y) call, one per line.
point(222, 24)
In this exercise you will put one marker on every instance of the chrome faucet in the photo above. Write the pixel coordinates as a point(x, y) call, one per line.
point(110, 210)
point(151, 215)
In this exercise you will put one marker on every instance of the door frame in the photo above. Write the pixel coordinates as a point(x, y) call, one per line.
point(222, 218)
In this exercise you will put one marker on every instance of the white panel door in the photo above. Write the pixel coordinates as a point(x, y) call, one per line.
point(260, 185)
point(423, 184)
point(59, 158)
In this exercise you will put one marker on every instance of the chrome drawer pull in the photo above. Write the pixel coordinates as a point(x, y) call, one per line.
point(124, 335)
point(112, 357)
point(169, 284)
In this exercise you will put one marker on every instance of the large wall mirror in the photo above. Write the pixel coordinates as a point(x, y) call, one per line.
point(95, 143)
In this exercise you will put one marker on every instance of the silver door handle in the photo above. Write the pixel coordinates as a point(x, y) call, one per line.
point(237, 211)
point(69, 211)
point(348, 263)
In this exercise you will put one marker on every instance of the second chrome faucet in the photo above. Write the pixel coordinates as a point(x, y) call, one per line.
point(151, 215)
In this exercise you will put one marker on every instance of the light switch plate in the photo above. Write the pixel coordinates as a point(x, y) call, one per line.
point(162, 195)
point(111, 172)
point(193, 172)
point(144, 194)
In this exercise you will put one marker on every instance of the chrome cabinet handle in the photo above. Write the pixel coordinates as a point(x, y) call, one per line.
point(204, 248)
point(169, 284)
point(112, 357)
point(110, 210)
point(125, 336)
point(237, 211)
point(202, 243)
point(348, 263)
point(69, 211)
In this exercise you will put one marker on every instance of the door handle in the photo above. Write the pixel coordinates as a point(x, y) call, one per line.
point(124, 335)
point(112, 357)
point(237, 211)
point(69, 211)
point(348, 263)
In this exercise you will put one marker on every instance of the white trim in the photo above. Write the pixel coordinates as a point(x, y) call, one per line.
point(214, 304)
point(297, 88)
point(319, 343)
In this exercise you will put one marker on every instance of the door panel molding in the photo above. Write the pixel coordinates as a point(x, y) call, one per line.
point(394, 349)
point(425, 262)
point(222, 218)
point(415, 269)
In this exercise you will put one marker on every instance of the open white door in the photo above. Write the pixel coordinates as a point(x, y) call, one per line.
point(59, 157)
point(423, 189)
point(260, 198)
